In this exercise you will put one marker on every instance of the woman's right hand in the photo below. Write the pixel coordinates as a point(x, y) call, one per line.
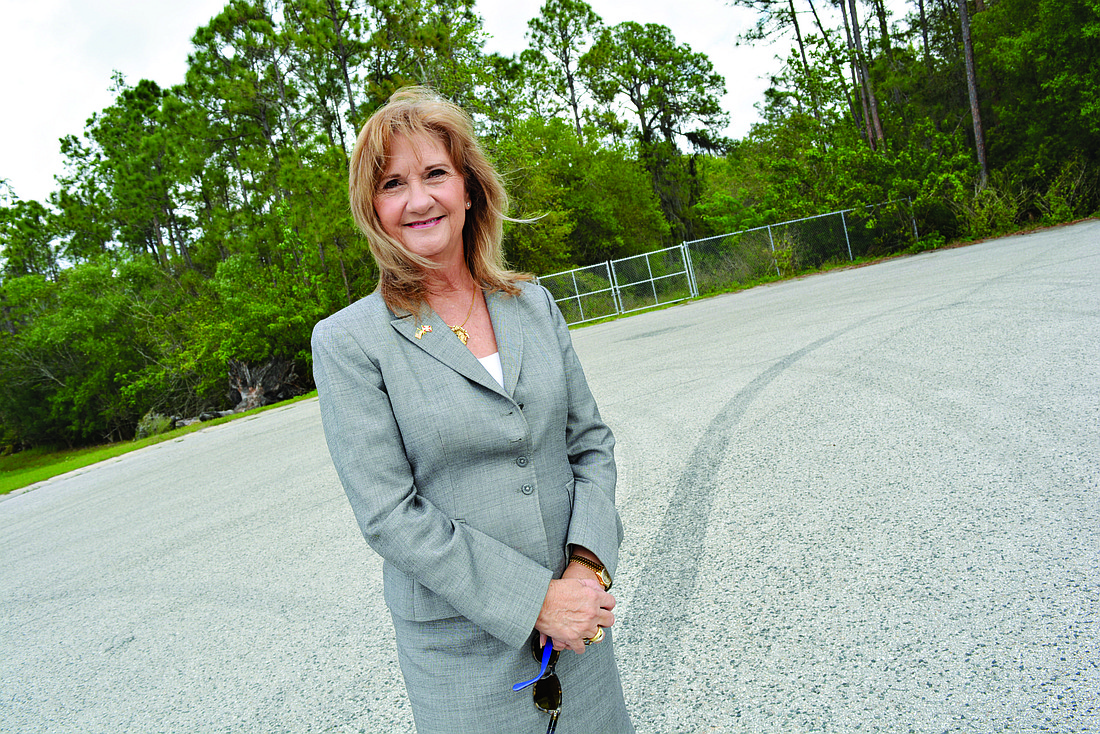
point(573, 610)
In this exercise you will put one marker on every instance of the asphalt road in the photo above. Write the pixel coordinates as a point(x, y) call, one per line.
point(867, 501)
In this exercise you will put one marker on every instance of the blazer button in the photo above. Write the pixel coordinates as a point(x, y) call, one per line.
point(521, 461)
point(527, 489)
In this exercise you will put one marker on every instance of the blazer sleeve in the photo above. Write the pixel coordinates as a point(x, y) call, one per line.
point(486, 581)
point(595, 522)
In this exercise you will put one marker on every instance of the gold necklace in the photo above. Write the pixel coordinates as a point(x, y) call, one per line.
point(462, 334)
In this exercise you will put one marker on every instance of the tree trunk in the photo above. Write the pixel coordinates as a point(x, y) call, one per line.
point(837, 60)
point(924, 35)
point(178, 236)
point(810, 84)
point(343, 54)
point(574, 102)
point(884, 28)
point(864, 122)
point(972, 87)
point(868, 90)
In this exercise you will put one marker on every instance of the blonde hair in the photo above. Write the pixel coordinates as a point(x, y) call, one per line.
point(412, 112)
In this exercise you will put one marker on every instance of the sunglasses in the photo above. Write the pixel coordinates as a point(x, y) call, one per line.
point(547, 691)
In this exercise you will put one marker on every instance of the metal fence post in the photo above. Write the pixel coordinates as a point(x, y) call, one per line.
point(685, 253)
point(613, 278)
point(577, 290)
point(771, 241)
point(844, 225)
point(913, 218)
point(652, 282)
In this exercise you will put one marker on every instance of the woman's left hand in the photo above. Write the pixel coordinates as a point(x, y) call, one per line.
point(574, 609)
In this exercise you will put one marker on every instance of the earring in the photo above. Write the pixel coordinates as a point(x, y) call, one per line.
point(467, 205)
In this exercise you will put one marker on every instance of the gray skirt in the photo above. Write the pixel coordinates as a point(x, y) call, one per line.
point(459, 679)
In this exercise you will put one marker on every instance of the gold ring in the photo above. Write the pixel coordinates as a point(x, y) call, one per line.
point(594, 638)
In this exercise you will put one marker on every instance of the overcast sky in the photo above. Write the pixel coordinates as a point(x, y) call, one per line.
point(57, 57)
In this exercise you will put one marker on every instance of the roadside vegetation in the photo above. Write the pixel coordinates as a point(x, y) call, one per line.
point(22, 469)
point(206, 225)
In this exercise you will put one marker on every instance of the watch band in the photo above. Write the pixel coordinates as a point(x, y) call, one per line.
point(601, 572)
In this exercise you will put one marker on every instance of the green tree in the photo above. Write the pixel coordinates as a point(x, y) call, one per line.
point(435, 43)
point(1042, 62)
point(776, 16)
point(587, 203)
point(329, 36)
point(672, 93)
point(560, 35)
point(26, 240)
point(65, 353)
point(133, 148)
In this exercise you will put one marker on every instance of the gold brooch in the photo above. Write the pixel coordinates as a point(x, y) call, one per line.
point(423, 330)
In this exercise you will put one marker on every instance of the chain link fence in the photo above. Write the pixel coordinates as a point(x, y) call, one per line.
point(621, 286)
point(718, 264)
point(584, 294)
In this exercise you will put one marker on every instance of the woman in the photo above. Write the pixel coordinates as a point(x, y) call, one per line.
point(468, 443)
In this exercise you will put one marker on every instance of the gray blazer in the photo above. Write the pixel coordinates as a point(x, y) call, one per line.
point(469, 491)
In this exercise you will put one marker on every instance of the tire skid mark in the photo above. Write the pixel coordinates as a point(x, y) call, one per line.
point(662, 600)
point(662, 603)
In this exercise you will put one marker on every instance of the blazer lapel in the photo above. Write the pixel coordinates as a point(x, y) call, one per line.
point(434, 336)
point(508, 328)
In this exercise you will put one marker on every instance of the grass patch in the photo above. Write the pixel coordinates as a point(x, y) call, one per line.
point(36, 465)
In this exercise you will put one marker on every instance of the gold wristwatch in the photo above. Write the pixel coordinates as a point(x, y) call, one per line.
point(601, 572)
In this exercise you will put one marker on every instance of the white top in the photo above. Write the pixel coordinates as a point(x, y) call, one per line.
point(493, 366)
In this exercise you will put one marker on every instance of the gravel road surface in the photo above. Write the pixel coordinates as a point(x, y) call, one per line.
point(867, 500)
